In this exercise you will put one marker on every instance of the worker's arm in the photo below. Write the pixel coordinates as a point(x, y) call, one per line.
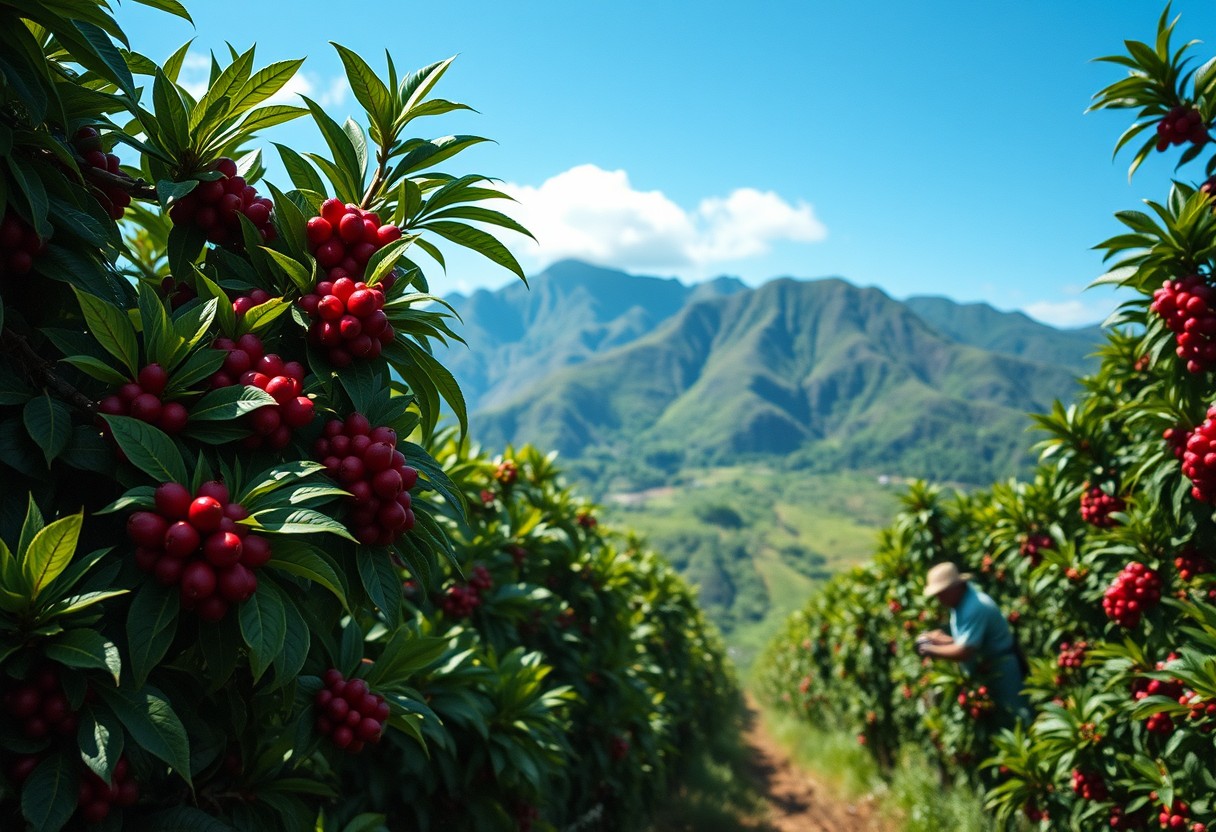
point(948, 649)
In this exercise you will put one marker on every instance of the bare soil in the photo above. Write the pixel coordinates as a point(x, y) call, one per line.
point(796, 801)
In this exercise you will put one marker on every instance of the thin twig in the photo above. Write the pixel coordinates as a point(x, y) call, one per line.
point(137, 188)
point(42, 373)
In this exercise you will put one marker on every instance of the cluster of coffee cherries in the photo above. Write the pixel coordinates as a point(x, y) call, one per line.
point(177, 292)
point(1175, 438)
point(519, 555)
point(977, 702)
point(1200, 710)
point(19, 245)
point(141, 399)
point(348, 319)
point(114, 198)
point(243, 303)
point(1191, 563)
point(1097, 507)
point(345, 237)
point(1175, 816)
point(460, 600)
point(1034, 543)
point(1121, 819)
point(618, 748)
point(1072, 657)
point(1089, 785)
point(525, 815)
point(348, 712)
point(1199, 459)
point(41, 707)
point(1181, 125)
point(586, 519)
point(506, 473)
point(249, 364)
point(194, 542)
point(1170, 689)
point(97, 798)
point(214, 207)
point(365, 461)
point(1188, 307)
point(1034, 814)
point(1133, 591)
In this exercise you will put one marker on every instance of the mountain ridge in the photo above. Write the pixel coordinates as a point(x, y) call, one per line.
point(634, 372)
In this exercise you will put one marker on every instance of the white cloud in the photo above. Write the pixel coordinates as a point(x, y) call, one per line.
point(1072, 313)
point(597, 215)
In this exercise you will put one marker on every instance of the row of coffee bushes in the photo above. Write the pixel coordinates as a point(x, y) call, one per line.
point(599, 649)
point(1103, 562)
point(228, 517)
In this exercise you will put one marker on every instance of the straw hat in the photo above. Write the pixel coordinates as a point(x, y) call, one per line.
point(943, 576)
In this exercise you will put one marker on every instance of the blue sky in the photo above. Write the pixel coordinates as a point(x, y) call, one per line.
point(924, 148)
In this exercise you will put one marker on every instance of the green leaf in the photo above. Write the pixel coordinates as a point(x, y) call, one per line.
point(222, 650)
point(151, 722)
point(298, 521)
point(160, 339)
point(96, 368)
point(381, 579)
point(191, 327)
point(474, 239)
point(263, 626)
point(277, 477)
point(85, 649)
point(229, 403)
point(270, 116)
point(346, 160)
point(151, 627)
point(264, 83)
point(442, 379)
point(48, 797)
point(112, 329)
point(101, 741)
point(51, 551)
point(383, 261)
point(302, 174)
point(185, 243)
point(430, 153)
point(148, 448)
point(200, 365)
point(306, 561)
point(258, 319)
point(405, 654)
point(293, 269)
point(31, 187)
point(214, 106)
point(170, 6)
point(171, 117)
point(290, 659)
point(369, 90)
point(111, 63)
point(49, 423)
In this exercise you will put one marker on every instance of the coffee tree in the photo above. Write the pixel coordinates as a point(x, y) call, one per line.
point(227, 546)
point(1103, 562)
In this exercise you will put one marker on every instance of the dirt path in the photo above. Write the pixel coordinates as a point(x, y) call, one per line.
point(796, 802)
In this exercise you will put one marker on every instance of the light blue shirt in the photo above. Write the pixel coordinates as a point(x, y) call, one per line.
point(976, 622)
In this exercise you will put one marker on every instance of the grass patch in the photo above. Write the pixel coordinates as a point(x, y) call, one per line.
point(718, 792)
point(911, 797)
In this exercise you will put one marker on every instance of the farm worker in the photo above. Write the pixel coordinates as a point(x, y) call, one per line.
point(979, 637)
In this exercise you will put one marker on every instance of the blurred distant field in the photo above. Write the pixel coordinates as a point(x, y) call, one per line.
point(755, 540)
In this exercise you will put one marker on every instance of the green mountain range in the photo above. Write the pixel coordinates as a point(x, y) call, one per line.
point(635, 378)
